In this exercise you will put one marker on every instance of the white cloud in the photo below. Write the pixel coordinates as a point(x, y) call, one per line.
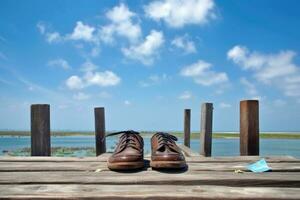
point(88, 66)
point(103, 79)
point(82, 32)
point(277, 70)
point(53, 37)
point(185, 95)
point(127, 103)
point(50, 36)
point(91, 77)
point(41, 27)
point(154, 80)
point(225, 105)
point(59, 63)
point(177, 13)
point(185, 44)
point(202, 74)
point(74, 83)
point(81, 96)
point(95, 51)
point(122, 24)
point(145, 51)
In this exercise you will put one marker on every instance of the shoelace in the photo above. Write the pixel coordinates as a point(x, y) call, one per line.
point(127, 139)
point(166, 139)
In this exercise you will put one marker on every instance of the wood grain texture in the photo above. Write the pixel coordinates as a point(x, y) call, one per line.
point(100, 131)
point(247, 179)
point(205, 178)
point(206, 129)
point(40, 130)
point(95, 191)
point(187, 127)
point(249, 127)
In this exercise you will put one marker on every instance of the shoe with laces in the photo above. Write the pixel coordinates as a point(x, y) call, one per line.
point(165, 153)
point(129, 153)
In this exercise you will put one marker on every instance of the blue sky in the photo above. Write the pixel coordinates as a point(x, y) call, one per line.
point(145, 61)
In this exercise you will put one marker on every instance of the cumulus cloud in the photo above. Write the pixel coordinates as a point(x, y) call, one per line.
point(122, 24)
point(276, 69)
point(59, 63)
point(50, 36)
point(102, 79)
point(202, 74)
point(74, 83)
point(185, 95)
point(53, 37)
point(146, 50)
point(82, 32)
point(91, 77)
point(182, 42)
point(177, 13)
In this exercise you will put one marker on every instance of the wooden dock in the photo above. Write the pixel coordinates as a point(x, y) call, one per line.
point(205, 178)
point(45, 177)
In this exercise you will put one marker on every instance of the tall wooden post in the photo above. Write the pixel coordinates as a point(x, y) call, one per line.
point(249, 127)
point(100, 131)
point(40, 130)
point(187, 127)
point(206, 128)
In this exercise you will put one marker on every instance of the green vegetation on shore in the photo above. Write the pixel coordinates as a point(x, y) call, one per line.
point(194, 135)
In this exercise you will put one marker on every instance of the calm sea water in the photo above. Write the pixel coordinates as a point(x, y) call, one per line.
point(220, 147)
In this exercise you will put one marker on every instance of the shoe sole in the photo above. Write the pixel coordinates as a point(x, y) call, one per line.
point(126, 165)
point(168, 164)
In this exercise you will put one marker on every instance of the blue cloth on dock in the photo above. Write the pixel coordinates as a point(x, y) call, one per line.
point(259, 166)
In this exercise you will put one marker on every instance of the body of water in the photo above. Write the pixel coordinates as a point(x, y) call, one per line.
point(220, 147)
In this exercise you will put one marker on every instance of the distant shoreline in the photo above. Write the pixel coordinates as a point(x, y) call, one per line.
point(194, 135)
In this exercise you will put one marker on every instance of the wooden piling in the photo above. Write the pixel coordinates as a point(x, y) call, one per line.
point(187, 127)
point(249, 127)
point(40, 130)
point(206, 129)
point(100, 130)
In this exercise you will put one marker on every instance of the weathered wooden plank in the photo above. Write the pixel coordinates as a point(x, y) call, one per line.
point(249, 127)
point(104, 157)
point(278, 179)
point(187, 151)
point(92, 166)
point(100, 131)
point(40, 130)
point(94, 191)
point(206, 128)
point(187, 127)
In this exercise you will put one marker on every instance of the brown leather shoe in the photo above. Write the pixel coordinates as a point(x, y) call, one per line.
point(165, 152)
point(129, 153)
